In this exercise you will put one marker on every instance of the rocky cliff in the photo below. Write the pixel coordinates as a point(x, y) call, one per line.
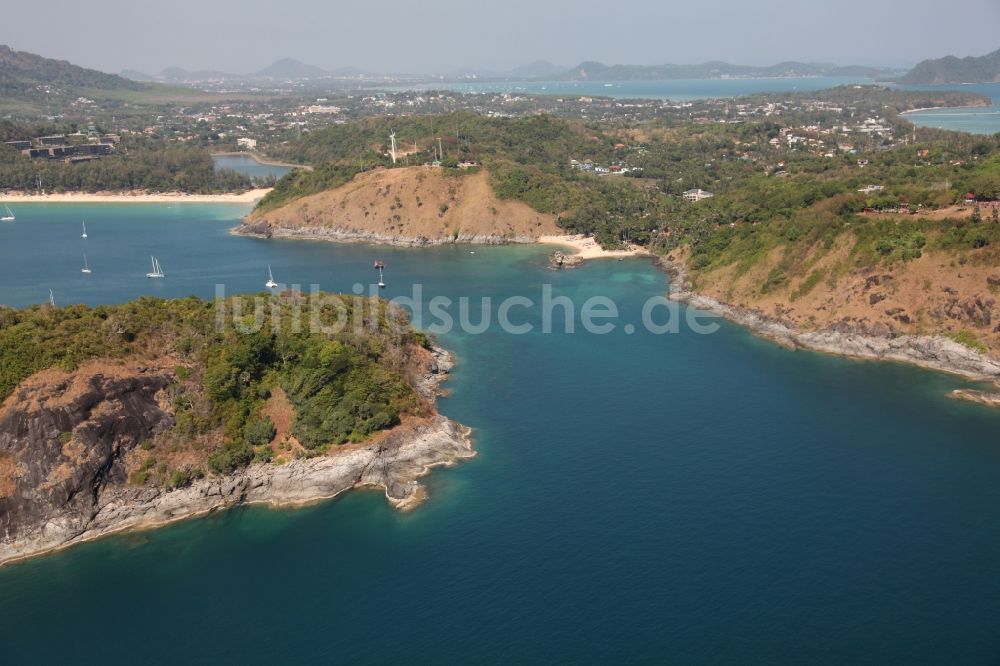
point(66, 439)
point(846, 336)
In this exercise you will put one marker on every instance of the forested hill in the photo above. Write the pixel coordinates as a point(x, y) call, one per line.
point(26, 76)
point(983, 69)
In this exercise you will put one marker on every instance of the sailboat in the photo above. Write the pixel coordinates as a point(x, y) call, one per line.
point(86, 266)
point(379, 265)
point(157, 271)
point(8, 214)
point(52, 298)
point(84, 230)
point(270, 284)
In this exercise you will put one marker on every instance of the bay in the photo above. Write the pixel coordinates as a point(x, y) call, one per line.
point(636, 497)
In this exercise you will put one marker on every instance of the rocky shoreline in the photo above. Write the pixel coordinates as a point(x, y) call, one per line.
point(262, 229)
point(844, 339)
point(393, 462)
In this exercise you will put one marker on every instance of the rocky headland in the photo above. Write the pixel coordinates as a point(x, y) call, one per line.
point(68, 439)
point(853, 337)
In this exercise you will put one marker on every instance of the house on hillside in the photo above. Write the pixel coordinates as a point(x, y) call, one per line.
point(696, 195)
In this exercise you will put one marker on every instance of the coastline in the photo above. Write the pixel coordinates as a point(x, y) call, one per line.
point(931, 352)
point(942, 108)
point(336, 235)
point(587, 248)
point(250, 196)
point(393, 461)
point(584, 247)
point(394, 465)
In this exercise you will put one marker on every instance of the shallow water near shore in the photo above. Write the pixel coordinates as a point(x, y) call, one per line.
point(636, 497)
point(974, 120)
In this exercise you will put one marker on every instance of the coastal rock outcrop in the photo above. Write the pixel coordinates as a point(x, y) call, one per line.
point(846, 337)
point(562, 260)
point(988, 398)
point(64, 438)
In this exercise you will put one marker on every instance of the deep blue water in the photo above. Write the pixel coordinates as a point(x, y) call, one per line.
point(636, 498)
point(246, 164)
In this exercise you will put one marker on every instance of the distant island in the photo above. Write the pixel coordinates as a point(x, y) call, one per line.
point(129, 416)
point(982, 69)
point(283, 69)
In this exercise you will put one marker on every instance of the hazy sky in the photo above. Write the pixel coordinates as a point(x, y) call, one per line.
point(438, 35)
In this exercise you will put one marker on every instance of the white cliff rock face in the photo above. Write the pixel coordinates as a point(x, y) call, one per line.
point(96, 505)
point(932, 352)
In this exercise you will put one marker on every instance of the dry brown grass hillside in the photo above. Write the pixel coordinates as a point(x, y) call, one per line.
point(938, 293)
point(421, 204)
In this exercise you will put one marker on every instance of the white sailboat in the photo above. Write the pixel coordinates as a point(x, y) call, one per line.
point(270, 284)
point(157, 271)
point(8, 214)
point(380, 265)
point(84, 230)
point(86, 266)
point(52, 298)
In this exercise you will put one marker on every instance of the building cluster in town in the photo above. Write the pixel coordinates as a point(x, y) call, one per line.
point(77, 147)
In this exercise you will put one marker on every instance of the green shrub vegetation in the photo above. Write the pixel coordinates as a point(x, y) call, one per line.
point(967, 338)
point(766, 196)
point(343, 386)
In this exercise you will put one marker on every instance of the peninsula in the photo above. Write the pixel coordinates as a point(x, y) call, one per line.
point(136, 415)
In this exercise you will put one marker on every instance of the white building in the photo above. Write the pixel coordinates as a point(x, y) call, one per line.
point(249, 144)
point(697, 195)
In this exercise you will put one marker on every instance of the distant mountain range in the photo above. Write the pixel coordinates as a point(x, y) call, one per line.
point(982, 69)
point(25, 76)
point(29, 77)
point(289, 69)
point(285, 69)
point(540, 69)
point(596, 71)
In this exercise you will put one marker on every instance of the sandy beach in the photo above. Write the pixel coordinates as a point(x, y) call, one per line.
point(250, 196)
point(587, 248)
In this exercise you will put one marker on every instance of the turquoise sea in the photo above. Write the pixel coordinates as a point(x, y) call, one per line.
point(636, 498)
point(975, 120)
